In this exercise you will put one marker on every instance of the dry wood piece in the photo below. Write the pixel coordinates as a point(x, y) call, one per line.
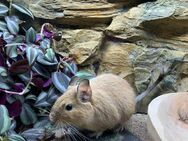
point(168, 117)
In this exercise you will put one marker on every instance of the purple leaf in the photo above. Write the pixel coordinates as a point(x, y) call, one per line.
point(2, 98)
point(15, 108)
point(2, 42)
point(2, 60)
point(48, 31)
point(38, 37)
point(38, 81)
point(18, 87)
point(47, 83)
point(19, 67)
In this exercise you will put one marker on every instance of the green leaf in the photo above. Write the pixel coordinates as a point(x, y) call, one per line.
point(28, 115)
point(31, 54)
point(71, 67)
point(41, 100)
point(3, 9)
point(43, 123)
point(3, 71)
point(41, 70)
point(14, 44)
point(84, 75)
point(3, 26)
point(60, 81)
point(50, 55)
point(4, 86)
point(19, 39)
point(42, 59)
point(45, 43)
point(11, 51)
point(8, 37)
point(31, 97)
point(23, 10)
point(12, 24)
point(34, 134)
point(5, 121)
point(30, 35)
point(16, 137)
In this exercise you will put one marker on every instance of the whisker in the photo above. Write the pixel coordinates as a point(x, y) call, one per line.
point(78, 133)
point(73, 137)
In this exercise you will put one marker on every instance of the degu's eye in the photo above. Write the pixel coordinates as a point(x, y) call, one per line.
point(68, 107)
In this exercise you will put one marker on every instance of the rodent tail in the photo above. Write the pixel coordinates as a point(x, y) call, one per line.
point(164, 73)
point(149, 89)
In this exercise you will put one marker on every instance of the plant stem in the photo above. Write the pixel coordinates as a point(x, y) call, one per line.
point(10, 7)
point(25, 89)
point(42, 29)
point(44, 110)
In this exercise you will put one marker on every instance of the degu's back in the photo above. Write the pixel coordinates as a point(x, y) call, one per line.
point(114, 93)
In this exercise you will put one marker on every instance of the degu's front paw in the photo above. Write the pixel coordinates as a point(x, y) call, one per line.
point(95, 135)
point(59, 133)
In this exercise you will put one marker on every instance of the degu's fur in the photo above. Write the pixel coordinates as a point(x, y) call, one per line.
point(104, 102)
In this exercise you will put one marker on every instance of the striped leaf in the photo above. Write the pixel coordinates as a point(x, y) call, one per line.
point(34, 134)
point(41, 100)
point(70, 67)
point(50, 55)
point(12, 25)
point(4, 86)
point(23, 10)
point(11, 51)
point(5, 121)
point(31, 54)
point(3, 26)
point(8, 37)
point(28, 115)
point(84, 75)
point(3, 9)
point(16, 137)
point(45, 43)
point(60, 81)
point(30, 35)
point(43, 60)
point(3, 71)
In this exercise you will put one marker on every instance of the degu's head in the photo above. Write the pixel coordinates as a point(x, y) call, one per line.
point(74, 107)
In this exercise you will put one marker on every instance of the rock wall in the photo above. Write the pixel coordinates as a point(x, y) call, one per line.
point(138, 40)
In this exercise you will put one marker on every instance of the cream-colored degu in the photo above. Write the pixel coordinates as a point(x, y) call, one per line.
point(103, 103)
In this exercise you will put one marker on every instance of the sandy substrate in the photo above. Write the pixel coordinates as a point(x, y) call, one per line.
point(137, 125)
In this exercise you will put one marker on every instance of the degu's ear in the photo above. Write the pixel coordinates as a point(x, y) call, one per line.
point(74, 81)
point(84, 92)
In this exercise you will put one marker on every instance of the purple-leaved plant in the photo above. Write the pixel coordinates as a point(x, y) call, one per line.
point(32, 76)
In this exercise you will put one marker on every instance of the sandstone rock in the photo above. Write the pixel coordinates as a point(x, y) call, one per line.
point(154, 24)
point(76, 12)
point(79, 12)
point(116, 58)
point(159, 28)
point(183, 78)
point(83, 44)
point(152, 64)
